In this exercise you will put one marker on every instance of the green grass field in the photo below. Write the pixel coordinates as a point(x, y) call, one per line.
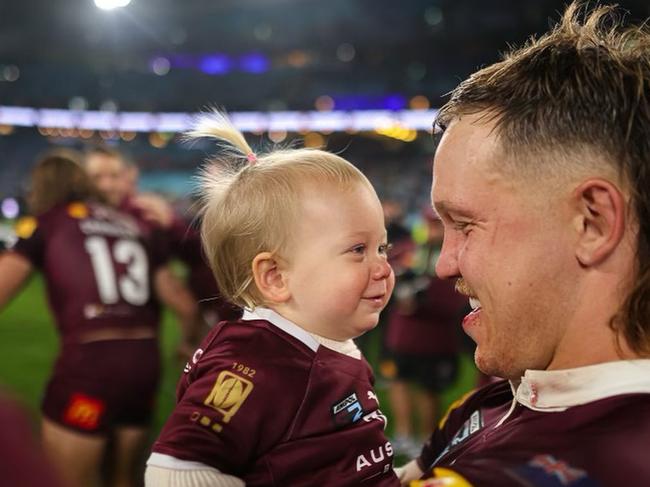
point(29, 345)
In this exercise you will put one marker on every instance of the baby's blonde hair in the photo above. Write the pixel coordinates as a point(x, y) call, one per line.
point(251, 203)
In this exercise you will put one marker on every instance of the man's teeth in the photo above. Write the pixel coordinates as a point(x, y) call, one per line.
point(474, 303)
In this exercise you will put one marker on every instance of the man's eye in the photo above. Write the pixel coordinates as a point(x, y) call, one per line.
point(464, 227)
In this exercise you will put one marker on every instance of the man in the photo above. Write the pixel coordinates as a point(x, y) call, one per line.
point(117, 179)
point(104, 276)
point(542, 181)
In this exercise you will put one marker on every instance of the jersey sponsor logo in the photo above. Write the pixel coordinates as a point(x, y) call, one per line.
point(372, 396)
point(375, 456)
point(228, 394)
point(348, 410)
point(548, 471)
point(376, 416)
point(84, 412)
point(195, 359)
point(78, 210)
point(26, 226)
point(471, 426)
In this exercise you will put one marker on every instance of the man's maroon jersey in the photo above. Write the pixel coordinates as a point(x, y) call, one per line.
point(588, 426)
point(261, 400)
point(98, 265)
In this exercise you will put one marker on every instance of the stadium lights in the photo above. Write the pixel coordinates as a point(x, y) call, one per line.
point(111, 4)
point(312, 121)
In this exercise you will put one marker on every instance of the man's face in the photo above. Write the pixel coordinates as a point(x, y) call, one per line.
point(509, 246)
point(108, 173)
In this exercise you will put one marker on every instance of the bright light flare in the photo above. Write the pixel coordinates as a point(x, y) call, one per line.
point(111, 4)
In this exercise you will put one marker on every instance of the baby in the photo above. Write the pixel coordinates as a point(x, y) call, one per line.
point(283, 396)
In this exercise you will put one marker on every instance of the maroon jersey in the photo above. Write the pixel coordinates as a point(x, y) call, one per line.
point(98, 266)
point(433, 327)
point(185, 243)
point(264, 402)
point(581, 427)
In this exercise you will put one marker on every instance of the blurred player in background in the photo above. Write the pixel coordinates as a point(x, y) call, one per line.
point(117, 179)
point(101, 268)
point(422, 338)
point(542, 181)
point(284, 396)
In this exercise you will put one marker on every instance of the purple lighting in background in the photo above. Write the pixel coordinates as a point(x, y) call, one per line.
point(215, 64)
point(393, 101)
point(10, 208)
point(255, 63)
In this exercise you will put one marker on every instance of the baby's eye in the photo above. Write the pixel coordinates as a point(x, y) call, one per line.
point(385, 248)
point(358, 249)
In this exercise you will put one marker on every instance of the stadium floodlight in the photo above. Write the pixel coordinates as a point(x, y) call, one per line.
point(111, 4)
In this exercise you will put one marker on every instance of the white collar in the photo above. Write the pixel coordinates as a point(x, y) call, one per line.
point(310, 339)
point(558, 390)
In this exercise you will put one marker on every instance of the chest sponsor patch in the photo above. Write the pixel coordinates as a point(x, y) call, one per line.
point(471, 426)
point(348, 410)
point(228, 394)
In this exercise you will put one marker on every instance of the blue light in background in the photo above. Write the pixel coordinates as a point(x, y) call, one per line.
point(393, 101)
point(255, 63)
point(215, 64)
point(183, 61)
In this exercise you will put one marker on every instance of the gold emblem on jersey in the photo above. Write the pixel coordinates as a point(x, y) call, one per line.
point(78, 210)
point(26, 226)
point(228, 394)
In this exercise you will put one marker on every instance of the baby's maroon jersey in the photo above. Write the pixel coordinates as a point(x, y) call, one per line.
point(98, 265)
point(599, 443)
point(261, 404)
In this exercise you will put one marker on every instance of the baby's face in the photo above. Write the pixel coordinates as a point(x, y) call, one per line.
point(339, 276)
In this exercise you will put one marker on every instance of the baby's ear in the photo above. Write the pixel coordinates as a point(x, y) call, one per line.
point(269, 278)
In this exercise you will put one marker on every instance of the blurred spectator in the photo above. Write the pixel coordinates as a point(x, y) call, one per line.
point(116, 178)
point(101, 269)
point(371, 343)
point(423, 340)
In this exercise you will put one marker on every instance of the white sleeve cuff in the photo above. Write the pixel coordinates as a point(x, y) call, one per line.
point(168, 471)
point(408, 472)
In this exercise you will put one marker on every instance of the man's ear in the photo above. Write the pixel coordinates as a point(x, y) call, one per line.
point(600, 218)
point(269, 277)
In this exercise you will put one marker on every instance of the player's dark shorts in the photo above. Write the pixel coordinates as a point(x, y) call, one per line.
point(432, 372)
point(101, 385)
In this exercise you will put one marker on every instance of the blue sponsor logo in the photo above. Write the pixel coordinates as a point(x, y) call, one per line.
point(348, 410)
